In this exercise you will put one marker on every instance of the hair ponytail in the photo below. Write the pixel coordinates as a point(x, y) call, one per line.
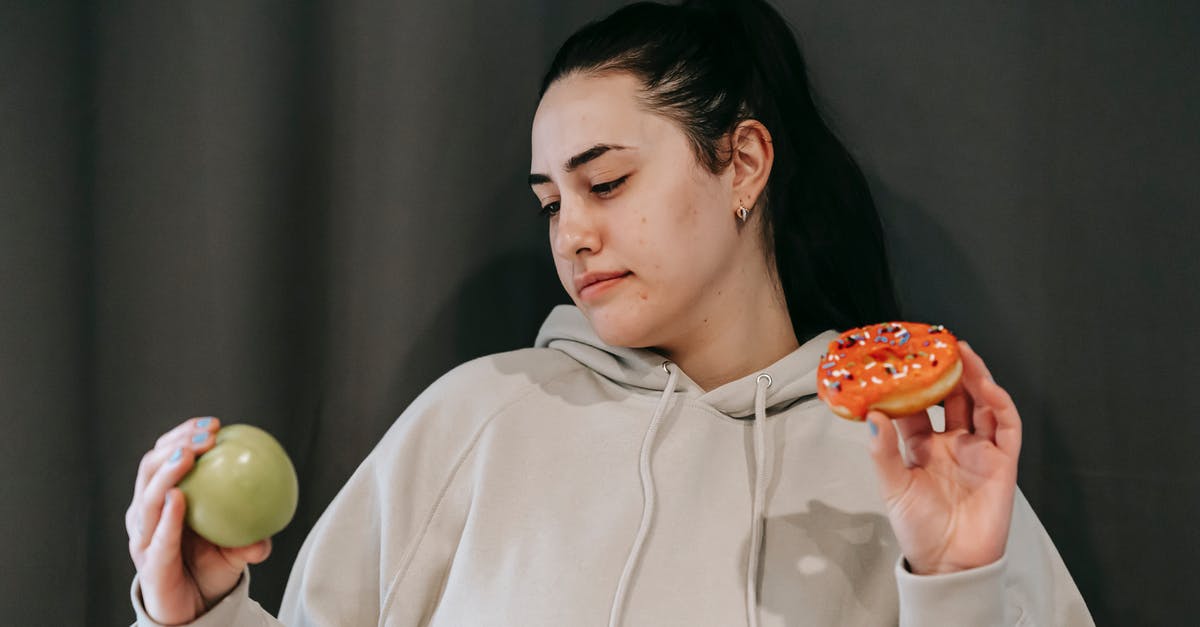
point(709, 65)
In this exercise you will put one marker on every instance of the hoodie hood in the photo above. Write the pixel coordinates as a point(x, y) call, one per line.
point(794, 376)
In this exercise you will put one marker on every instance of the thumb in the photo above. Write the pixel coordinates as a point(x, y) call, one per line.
point(251, 553)
point(885, 450)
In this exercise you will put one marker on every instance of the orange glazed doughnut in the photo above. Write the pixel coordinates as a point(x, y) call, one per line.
point(898, 368)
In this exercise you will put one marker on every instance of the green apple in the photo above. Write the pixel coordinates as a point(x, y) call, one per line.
point(241, 490)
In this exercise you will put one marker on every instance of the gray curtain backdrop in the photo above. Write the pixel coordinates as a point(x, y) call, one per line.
point(300, 214)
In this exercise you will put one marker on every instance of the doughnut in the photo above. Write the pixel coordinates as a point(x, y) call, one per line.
point(898, 368)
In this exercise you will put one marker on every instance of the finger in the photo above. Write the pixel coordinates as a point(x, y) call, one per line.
point(984, 419)
point(1006, 419)
point(135, 543)
point(974, 378)
point(889, 464)
point(914, 424)
point(165, 543)
point(958, 409)
point(975, 372)
point(153, 459)
point(995, 411)
point(151, 505)
point(200, 438)
point(914, 431)
point(202, 423)
point(131, 530)
point(1008, 432)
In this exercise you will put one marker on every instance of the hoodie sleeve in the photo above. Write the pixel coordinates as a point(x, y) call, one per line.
point(235, 610)
point(1029, 585)
point(384, 544)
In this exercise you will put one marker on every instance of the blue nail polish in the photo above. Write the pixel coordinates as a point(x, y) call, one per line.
point(203, 422)
point(874, 429)
point(175, 456)
point(199, 438)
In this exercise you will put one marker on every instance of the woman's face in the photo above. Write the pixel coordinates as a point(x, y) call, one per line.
point(626, 196)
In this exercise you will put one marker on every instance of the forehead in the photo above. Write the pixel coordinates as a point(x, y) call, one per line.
point(580, 111)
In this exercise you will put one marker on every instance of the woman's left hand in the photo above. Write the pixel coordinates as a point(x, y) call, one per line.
point(951, 509)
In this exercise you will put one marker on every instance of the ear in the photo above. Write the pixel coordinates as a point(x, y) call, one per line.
point(752, 157)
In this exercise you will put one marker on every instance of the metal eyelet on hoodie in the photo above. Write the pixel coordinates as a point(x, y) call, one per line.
point(761, 376)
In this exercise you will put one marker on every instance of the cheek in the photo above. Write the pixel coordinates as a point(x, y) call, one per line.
point(564, 271)
point(685, 241)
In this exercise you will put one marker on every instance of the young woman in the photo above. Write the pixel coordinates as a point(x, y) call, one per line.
point(660, 457)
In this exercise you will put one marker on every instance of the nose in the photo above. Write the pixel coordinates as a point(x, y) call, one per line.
point(576, 231)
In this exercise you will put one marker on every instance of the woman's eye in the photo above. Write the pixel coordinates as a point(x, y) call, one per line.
point(604, 188)
point(600, 189)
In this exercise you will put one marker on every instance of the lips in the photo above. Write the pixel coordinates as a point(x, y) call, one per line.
point(593, 281)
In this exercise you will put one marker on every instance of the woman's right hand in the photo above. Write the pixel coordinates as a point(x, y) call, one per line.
point(182, 575)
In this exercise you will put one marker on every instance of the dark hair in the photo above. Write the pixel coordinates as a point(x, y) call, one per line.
point(709, 66)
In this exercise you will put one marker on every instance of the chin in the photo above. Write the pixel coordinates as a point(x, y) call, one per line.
point(620, 325)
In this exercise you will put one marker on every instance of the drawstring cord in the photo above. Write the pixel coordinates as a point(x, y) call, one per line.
point(760, 491)
point(618, 605)
point(648, 497)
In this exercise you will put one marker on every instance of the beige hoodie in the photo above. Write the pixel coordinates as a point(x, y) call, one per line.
point(580, 484)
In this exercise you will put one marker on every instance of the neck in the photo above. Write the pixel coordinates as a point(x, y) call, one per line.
point(751, 334)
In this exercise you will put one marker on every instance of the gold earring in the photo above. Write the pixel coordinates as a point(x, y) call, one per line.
point(743, 214)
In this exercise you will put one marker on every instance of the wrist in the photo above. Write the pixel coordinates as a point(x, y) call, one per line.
point(207, 603)
point(942, 568)
point(934, 569)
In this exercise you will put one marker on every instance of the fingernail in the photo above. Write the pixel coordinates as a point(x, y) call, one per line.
point(203, 422)
point(199, 438)
point(874, 429)
point(175, 456)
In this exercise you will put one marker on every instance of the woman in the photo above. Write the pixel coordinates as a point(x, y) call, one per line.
point(660, 457)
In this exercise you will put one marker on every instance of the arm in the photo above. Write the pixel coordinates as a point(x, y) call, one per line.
point(385, 536)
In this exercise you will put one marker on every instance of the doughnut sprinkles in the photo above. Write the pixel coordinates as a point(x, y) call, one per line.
point(898, 368)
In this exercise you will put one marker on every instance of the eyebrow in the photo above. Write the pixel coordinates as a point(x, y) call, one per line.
point(574, 162)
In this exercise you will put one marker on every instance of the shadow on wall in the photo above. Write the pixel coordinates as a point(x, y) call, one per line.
point(498, 308)
point(503, 306)
point(1065, 514)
